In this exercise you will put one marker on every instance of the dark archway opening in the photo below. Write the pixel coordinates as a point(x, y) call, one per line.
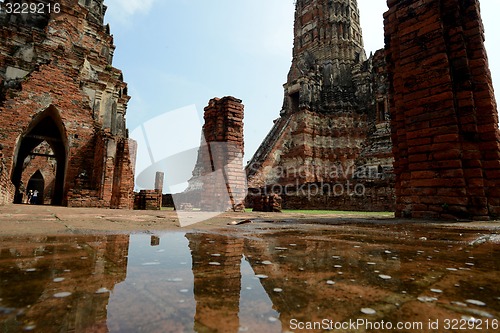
point(37, 184)
point(47, 126)
point(294, 102)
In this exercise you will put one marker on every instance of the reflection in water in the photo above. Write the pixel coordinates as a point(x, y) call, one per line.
point(260, 281)
point(35, 270)
point(229, 297)
point(157, 295)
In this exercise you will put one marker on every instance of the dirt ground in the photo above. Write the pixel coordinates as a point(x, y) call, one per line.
point(26, 220)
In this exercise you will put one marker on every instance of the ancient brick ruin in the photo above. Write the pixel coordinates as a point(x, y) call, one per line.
point(331, 147)
point(151, 199)
point(62, 109)
point(219, 181)
point(444, 116)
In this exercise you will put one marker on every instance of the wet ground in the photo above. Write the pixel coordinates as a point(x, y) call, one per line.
point(91, 271)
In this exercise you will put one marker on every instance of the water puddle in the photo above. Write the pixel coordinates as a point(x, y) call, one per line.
point(258, 280)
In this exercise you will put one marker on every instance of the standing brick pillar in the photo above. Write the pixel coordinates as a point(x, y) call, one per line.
point(224, 181)
point(160, 176)
point(444, 116)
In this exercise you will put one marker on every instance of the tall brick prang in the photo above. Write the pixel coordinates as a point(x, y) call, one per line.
point(62, 108)
point(444, 116)
point(219, 180)
point(330, 148)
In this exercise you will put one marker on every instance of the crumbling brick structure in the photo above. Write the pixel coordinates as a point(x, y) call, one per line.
point(151, 199)
point(58, 88)
point(444, 117)
point(331, 146)
point(148, 200)
point(219, 180)
point(266, 203)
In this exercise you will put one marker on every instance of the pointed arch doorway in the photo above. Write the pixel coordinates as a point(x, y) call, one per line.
point(46, 126)
point(37, 183)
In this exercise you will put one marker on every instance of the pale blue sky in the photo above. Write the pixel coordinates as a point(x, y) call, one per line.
point(176, 53)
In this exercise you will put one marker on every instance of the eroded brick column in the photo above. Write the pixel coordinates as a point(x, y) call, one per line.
point(224, 182)
point(444, 116)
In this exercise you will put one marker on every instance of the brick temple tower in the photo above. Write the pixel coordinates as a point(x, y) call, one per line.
point(328, 47)
point(444, 113)
point(218, 182)
point(62, 108)
point(333, 126)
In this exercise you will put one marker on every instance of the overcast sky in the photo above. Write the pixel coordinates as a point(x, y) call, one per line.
point(178, 53)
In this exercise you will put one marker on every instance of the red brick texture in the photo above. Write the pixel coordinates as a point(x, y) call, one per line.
point(57, 85)
point(7, 189)
point(444, 116)
point(148, 200)
point(222, 160)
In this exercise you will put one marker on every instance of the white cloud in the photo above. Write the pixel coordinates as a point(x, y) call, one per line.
point(121, 10)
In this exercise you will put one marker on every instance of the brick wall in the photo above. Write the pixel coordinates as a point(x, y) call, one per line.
point(7, 189)
point(57, 71)
point(222, 159)
point(444, 114)
point(148, 200)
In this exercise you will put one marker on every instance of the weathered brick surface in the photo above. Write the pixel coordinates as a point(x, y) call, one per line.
point(265, 203)
point(148, 200)
point(444, 118)
point(151, 199)
point(334, 120)
point(219, 180)
point(7, 189)
point(58, 86)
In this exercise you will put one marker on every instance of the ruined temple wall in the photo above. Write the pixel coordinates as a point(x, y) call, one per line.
point(123, 189)
point(222, 158)
point(63, 61)
point(444, 116)
point(7, 189)
point(320, 159)
point(49, 86)
point(91, 159)
point(315, 147)
point(351, 195)
point(111, 183)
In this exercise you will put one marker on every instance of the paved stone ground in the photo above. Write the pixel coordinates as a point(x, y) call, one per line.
point(26, 219)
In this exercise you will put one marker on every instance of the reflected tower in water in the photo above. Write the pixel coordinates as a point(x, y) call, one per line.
point(60, 284)
point(217, 297)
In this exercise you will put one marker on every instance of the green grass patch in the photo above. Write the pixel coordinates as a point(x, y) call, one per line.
point(335, 212)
